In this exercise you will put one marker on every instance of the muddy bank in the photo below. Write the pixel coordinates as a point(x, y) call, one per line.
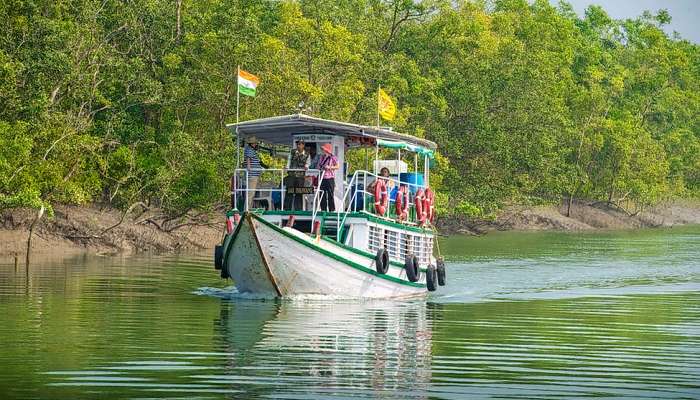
point(584, 216)
point(79, 229)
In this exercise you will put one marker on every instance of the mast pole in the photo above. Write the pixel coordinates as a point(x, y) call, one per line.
point(380, 88)
point(238, 102)
point(376, 147)
point(376, 155)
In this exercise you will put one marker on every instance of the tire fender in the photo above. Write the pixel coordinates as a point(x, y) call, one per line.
point(381, 261)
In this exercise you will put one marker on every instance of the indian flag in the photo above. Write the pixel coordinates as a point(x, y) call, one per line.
point(247, 83)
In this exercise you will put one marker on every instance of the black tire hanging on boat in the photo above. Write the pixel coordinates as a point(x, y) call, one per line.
point(416, 264)
point(382, 261)
point(431, 277)
point(441, 271)
point(224, 272)
point(412, 270)
point(218, 256)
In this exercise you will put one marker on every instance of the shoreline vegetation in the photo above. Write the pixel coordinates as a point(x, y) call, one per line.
point(123, 104)
point(80, 229)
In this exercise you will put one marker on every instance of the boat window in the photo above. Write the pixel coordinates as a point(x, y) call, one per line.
point(393, 244)
point(403, 245)
point(428, 250)
point(418, 246)
point(375, 236)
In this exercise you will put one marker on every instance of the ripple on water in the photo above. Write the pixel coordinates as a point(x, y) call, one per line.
point(556, 317)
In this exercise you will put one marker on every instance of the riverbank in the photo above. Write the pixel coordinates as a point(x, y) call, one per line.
point(77, 229)
point(584, 216)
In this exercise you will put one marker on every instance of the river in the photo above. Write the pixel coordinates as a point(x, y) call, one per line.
point(524, 315)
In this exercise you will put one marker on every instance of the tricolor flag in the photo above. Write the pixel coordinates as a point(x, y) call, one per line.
point(386, 107)
point(247, 83)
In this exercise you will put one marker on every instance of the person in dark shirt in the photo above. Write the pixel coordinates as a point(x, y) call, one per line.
point(298, 159)
point(311, 149)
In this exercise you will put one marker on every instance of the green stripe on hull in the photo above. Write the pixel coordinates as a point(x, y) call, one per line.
point(337, 257)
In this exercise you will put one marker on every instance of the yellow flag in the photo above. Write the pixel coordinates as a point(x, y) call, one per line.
point(386, 107)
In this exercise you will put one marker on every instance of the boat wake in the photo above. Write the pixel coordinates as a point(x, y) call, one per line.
point(231, 293)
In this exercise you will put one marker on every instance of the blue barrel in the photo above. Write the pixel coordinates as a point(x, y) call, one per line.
point(276, 200)
point(360, 199)
point(412, 178)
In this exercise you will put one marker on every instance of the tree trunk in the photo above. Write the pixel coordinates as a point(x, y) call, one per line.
point(179, 9)
point(571, 200)
point(611, 192)
point(31, 232)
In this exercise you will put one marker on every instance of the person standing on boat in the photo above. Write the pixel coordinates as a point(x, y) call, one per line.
point(254, 168)
point(328, 163)
point(313, 156)
point(298, 160)
point(385, 175)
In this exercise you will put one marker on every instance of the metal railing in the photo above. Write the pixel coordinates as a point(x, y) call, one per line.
point(352, 187)
point(268, 182)
point(271, 180)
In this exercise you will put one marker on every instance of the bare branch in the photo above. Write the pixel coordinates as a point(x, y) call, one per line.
point(124, 214)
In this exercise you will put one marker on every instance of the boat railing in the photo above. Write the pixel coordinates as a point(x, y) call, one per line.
point(353, 191)
point(316, 204)
point(346, 209)
point(270, 181)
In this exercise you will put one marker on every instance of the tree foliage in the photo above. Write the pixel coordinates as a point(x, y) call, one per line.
point(118, 102)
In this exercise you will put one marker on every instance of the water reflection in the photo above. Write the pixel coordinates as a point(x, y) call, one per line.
point(317, 347)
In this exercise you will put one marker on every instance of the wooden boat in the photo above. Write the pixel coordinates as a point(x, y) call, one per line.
point(369, 247)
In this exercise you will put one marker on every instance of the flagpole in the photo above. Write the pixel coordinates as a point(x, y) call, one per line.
point(238, 102)
point(376, 139)
point(380, 88)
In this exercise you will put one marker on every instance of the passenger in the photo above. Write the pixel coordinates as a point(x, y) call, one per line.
point(385, 175)
point(328, 163)
point(298, 159)
point(313, 156)
point(254, 168)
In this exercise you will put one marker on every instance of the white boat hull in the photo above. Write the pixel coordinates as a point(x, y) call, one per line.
point(266, 260)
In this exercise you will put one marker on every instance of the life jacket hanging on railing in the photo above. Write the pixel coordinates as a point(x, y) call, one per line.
point(402, 200)
point(419, 201)
point(429, 206)
point(381, 197)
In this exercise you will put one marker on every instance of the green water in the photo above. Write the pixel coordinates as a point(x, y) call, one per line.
point(540, 315)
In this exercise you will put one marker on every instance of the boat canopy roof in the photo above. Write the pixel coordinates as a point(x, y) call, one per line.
point(281, 129)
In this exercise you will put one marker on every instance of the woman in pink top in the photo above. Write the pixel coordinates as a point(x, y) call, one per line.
point(328, 163)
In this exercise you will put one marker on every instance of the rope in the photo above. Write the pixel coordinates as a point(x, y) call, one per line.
point(437, 244)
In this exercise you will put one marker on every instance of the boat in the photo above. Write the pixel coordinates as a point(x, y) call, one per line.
point(378, 242)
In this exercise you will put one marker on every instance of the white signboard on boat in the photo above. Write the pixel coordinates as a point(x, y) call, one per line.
point(314, 138)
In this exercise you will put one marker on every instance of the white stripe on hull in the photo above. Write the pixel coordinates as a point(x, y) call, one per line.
point(295, 268)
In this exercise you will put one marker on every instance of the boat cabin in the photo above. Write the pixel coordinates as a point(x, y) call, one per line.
point(372, 212)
